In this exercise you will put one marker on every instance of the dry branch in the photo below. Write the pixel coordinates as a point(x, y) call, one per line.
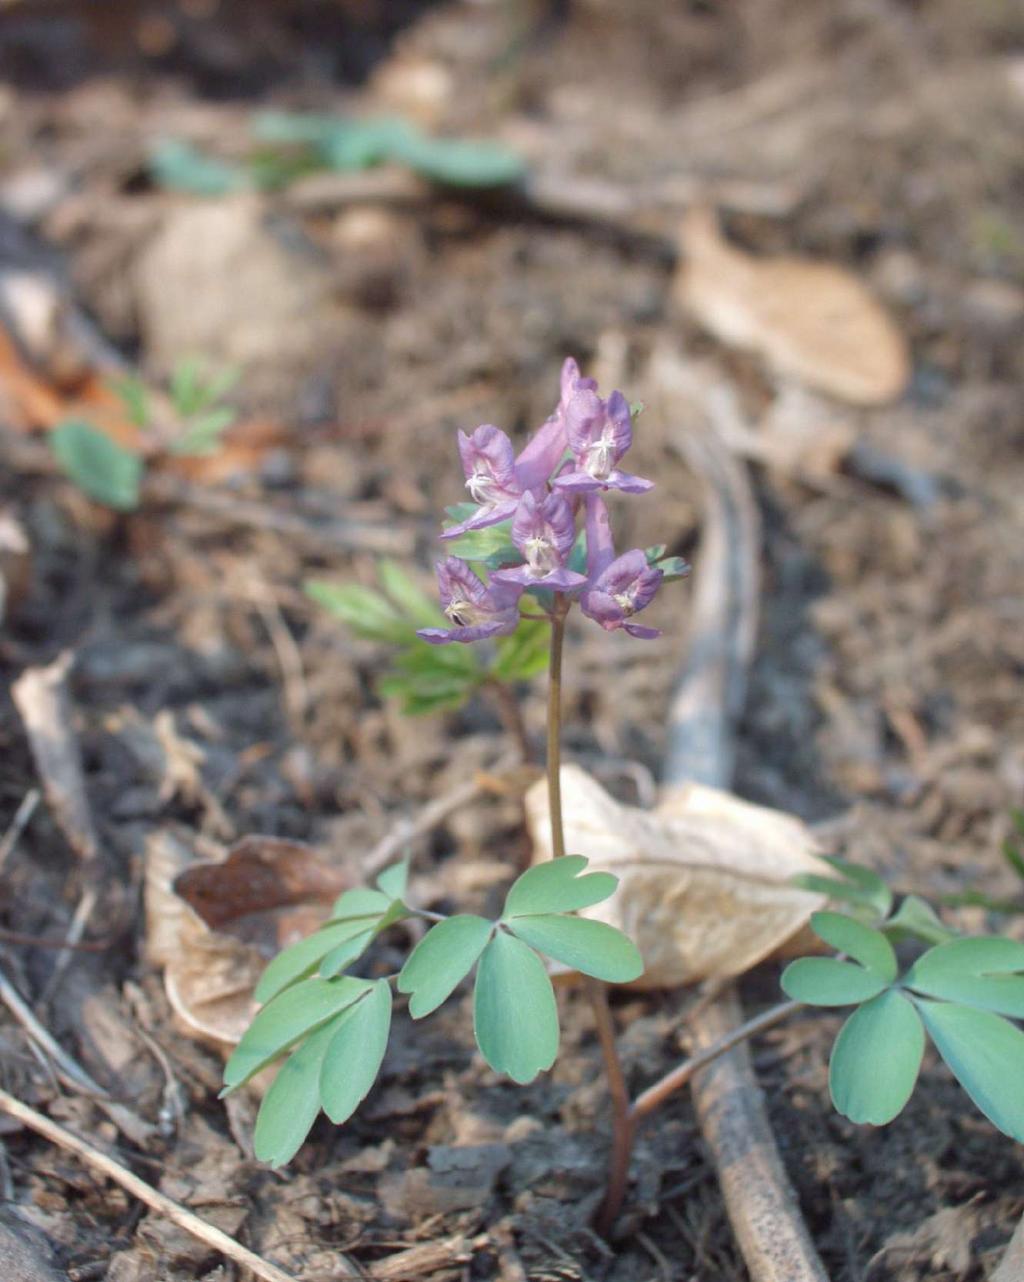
point(760, 1201)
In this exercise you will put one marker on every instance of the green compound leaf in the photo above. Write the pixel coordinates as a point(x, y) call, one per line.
point(302, 958)
point(985, 1053)
point(361, 902)
point(354, 1055)
point(101, 468)
point(524, 654)
point(180, 166)
point(348, 952)
point(555, 886)
point(825, 981)
point(393, 880)
point(420, 609)
point(369, 614)
point(864, 944)
point(977, 972)
point(515, 1018)
point(291, 1105)
point(441, 960)
point(916, 919)
point(855, 885)
point(590, 947)
point(457, 162)
point(876, 1059)
point(286, 1019)
point(492, 545)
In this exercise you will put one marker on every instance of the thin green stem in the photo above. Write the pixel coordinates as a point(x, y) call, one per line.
point(554, 762)
point(597, 993)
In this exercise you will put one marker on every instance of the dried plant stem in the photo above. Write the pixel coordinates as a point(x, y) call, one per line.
point(597, 994)
point(159, 1202)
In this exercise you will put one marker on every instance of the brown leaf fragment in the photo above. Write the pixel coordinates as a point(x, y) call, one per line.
point(15, 564)
point(214, 926)
point(41, 697)
point(811, 321)
point(705, 879)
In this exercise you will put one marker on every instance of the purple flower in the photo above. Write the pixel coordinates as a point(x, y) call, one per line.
point(489, 464)
point(544, 531)
point(478, 610)
point(599, 433)
point(617, 587)
point(544, 452)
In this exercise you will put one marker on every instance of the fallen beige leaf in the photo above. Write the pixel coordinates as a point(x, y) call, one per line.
point(705, 879)
point(214, 926)
point(812, 321)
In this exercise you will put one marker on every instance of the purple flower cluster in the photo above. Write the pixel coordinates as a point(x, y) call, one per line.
point(564, 469)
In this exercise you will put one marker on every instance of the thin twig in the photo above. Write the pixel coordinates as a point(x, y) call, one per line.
point(156, 1201)
point(656, 1094)
point(435, 812)
point(18, 824)
point(71, 1073)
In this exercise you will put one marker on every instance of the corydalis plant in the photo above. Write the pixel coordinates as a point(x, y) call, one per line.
point(537, 527)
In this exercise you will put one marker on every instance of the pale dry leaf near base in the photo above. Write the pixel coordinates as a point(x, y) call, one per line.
point(811, 321)
point(705, 879)
point(213, 927)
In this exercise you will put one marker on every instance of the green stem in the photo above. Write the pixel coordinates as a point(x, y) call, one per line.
point(623, 1126)
point(554, 762)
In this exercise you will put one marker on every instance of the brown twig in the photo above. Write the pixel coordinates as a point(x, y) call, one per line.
point(156, 1201)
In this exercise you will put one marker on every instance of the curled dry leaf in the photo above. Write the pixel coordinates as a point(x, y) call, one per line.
point(214, 926)
point(41, 697)
point(810, 320)
point(705, 879)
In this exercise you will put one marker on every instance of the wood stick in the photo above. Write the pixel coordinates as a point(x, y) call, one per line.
point(156, 1201)
point(759, 1199)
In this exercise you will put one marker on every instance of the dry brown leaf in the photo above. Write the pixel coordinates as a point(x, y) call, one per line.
point(214, 926)
point(810, 320)
point(15, 564)
point(41, 697)
point(705, 879)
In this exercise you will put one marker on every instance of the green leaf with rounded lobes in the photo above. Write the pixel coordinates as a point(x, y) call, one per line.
point(393, 880)
point(290, 1106)
point(369, 614)
point(515, 1018)
point(302, 959)
point(361, 902)
point(983, 972)
point(916, 919)
point(985, 1053)
point(876, 1059)
point(101, 468)
point(855, 885)
point(441, 960)
point(283, 1021)
point(825, 981)
point(355, 1052)
point(346, 953)
point(590, 947)
point(556, 886)
point(523, 654)
point(863, 943)
point(410, 599)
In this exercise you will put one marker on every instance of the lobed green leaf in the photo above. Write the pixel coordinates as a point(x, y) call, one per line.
point(355, 1053)
point(916, 919)
point(825, 981)
point(983, 972)
point(414, 603)
point(441, 960)
point(302, 958)
point(556, 886)
point(863, 943)
point(515, 1018)
point(524, 654)
point(283, 1021)
point(591, 947)
point(361, 902)
point(855, 885)
point(985, 1053)
point(290, 1106)
point(367, 613)
point(101, 468)
point(394, 880)
point(348, 952)
point(876, 1059)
